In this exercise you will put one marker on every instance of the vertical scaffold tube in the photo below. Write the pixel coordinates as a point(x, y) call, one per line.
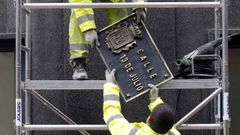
point(18, 111)
point(27, 69)
point(217, 107)
point(225, 83)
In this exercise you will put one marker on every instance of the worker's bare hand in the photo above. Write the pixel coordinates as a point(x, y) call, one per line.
point(153, 92)
point(110, 76)
point(91, 38)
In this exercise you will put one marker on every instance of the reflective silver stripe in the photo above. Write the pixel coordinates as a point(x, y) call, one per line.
point(79, 47)
point(133, 131)
point(83, 19)
point(112, 118)
point(111, 97)
point(171, 133)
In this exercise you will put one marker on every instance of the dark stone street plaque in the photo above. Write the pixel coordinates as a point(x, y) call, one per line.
point(129, 48)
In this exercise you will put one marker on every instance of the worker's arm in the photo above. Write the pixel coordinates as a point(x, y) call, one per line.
point(153, 97)
point(111, 104)
point(112, 115)
point(85, 16)
point(154, 103)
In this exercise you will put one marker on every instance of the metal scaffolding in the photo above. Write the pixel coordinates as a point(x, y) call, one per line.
point(29, 86)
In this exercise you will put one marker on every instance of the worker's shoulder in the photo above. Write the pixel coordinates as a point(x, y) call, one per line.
point(174, 131)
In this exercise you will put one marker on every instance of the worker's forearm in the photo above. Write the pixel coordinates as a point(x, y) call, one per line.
point(154, 103)
point(110, 88)
point(111, 104)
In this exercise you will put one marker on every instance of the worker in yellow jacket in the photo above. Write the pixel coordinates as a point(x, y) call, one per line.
point(82, 33)
point(159, 122)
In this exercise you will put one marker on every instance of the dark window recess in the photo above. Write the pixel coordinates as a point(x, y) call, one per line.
point(7, 45)
point(7, 42)
point(235, 41)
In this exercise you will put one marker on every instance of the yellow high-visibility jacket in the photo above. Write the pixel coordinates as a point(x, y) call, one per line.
point(82, 19)
point(116, 122)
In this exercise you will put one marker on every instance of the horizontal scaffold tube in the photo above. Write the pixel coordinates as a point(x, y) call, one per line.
point(123, 5)
point(98, 84)
point(104, 127)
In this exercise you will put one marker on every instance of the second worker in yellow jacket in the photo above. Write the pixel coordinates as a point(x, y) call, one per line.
point(82, 33)
point(159, 122)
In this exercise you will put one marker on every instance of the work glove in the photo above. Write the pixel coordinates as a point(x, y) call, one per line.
point(153, 92)
point(141, 15)
point(91, 38)
point(110, 76)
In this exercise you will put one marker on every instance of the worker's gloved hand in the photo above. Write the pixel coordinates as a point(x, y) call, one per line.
point(153, 92)
point(141, 15)
point(91, 37)
point(110, 76)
